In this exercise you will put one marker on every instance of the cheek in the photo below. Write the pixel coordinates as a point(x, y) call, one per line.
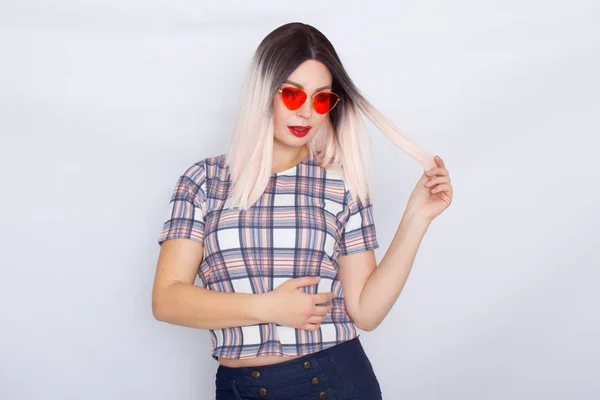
point(281, 115)
point(319, 119)
point(277, 114)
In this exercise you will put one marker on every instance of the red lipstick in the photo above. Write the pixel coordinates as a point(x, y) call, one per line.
point(299, 130)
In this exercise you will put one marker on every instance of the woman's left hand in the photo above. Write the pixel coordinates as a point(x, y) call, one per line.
point(433, 193)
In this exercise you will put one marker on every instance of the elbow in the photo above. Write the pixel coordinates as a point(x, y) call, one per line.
point(158, 315)
point(367, 327)
point(366, 324)
point(159, 309)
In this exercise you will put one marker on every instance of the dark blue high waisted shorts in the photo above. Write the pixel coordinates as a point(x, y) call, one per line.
point(341, 372)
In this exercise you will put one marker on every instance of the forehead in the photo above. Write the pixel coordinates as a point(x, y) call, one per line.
point(311, 74)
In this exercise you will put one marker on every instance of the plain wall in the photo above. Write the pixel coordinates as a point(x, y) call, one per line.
point(103, 104)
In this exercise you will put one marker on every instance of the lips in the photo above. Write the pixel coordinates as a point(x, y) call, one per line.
point(299, 130)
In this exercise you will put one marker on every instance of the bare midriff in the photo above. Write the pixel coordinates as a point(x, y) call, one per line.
point(254, 362)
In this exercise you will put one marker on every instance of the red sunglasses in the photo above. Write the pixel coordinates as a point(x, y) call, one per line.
point(294, 98)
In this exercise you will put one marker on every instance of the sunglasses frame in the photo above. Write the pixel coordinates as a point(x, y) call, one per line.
point(312, 99)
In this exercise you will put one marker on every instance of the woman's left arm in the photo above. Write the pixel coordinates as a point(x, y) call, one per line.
point(370, 290)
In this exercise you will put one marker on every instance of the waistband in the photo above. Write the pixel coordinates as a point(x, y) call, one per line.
point(352, 346)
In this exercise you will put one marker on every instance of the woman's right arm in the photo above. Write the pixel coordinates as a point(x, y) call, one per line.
point(176, 300)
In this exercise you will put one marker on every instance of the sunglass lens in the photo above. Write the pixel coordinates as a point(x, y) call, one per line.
point(325, 101)
point(293, 98)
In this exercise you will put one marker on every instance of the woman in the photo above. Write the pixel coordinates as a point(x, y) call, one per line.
point(280, 231)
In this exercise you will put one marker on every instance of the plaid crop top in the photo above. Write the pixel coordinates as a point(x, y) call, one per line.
point(303, 220)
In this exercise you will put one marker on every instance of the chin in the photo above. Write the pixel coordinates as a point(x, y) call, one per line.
point(293, 141)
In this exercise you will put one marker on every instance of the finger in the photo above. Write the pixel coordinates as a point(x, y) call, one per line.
point(437, 171)
point(442, 188)
point(315, 319)
point(437, 180)
point(323, 310)
point(321, 298)
point(424, 178)
point(440, 162)
point(310, 327)
point(304, 281)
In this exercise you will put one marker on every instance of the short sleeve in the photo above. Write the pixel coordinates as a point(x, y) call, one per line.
point(358, 233)
point(187, 207)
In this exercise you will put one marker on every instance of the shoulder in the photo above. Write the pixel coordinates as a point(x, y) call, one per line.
point(195, 181)
point(206, 168)
point(336, 182)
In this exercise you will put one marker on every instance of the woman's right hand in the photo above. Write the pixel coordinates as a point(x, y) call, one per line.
point(287, 305)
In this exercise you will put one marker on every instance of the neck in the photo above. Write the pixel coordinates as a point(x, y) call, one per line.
point(284, 158)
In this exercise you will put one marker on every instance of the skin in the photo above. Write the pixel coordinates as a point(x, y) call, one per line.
point(288, 150)
point(370, 289)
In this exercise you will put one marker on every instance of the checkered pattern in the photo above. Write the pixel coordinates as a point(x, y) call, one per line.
point(304, 219)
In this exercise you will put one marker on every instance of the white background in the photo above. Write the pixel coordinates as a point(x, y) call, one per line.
point(104, 103)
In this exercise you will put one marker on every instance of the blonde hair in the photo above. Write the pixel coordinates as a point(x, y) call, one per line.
point(341, 143)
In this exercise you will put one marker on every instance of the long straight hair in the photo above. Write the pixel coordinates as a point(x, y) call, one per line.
point(340, 144)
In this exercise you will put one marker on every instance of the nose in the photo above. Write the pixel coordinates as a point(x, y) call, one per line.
point(306, 110)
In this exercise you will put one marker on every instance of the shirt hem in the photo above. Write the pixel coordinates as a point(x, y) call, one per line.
point(216, 354)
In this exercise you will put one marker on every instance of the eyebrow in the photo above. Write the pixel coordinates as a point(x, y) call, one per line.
point(302, 87)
